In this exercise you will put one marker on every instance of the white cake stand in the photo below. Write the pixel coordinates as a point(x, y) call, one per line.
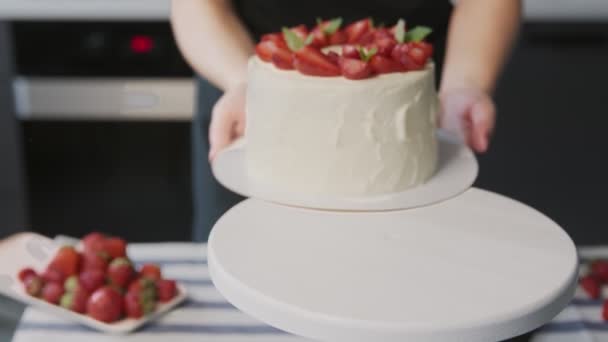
point(480, 267)
point(456, 171)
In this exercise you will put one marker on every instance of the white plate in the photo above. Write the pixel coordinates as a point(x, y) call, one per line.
point(477, 268)
point(457, 170)
point(33, 250)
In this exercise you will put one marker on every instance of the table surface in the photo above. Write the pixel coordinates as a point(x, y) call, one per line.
point(208, 317)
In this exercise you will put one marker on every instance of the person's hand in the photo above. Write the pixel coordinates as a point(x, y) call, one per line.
point(227, 119)
point(470, 114)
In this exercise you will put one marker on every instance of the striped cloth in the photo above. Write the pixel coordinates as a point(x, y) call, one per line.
point(207, 316)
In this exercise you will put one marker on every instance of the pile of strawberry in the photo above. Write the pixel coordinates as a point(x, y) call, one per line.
point(99, 281)
point(593, 281)
point(366, 50)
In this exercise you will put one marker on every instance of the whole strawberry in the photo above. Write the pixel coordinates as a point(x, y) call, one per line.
point(92, 279)
point(150, 271)
point(166, 290)
point(75, 300)
point(115, 247)
point(66, 261)
point(33, 285)
point(51, 275)
point(95, 260)
point(599, 268)
point(52, 292)
point(591, 285)
point(105, 304)
point(120, 272)
point(93, 242)
point(138, 303)
point(26, 273)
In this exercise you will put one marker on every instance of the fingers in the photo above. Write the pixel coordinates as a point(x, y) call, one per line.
point(482, 115)
point(220, 132)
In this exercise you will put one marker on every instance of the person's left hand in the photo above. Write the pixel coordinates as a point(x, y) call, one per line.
point(470, 114)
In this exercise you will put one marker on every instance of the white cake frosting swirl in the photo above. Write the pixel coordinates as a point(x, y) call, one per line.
point(334, 136)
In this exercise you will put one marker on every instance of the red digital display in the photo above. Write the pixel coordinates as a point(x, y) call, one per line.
point(141, 44)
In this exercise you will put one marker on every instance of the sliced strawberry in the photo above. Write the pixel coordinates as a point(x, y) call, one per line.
point(605, 311)
point(337, 38)
point(150, 271)
point(265, 49)
point(301, 31)
point(334, 57)
point(592, 286)
point(384, 45)
point(282, 58)
point(116, 247)
point(319, 38)
point(33, 285)
point(166, 290)
point(311, 61)
point(350, 51)
point(384, 65)
point(381, 33)
point(599, 269)
point(26, 273)
point(52, 292)
point(401, 54)
point(367, 38)
point(356, 30)
point(66, 261)
point(274, 37)
point(424, 46)
point(355, 69)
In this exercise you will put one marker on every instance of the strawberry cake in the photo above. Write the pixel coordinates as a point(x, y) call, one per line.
point(342, 111)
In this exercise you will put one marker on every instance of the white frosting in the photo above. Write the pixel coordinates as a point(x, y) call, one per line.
point(334, 136)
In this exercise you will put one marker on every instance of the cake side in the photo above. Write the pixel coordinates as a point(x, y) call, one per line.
point(332, 135)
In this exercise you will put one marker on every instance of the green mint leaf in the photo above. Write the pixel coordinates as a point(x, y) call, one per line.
point(309, 39)
point(366, 54)
point(400, 31)
point(294, 42)
point(417, 34)
point(332, 26)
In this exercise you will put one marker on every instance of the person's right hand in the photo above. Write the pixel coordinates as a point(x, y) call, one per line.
point(227, 119)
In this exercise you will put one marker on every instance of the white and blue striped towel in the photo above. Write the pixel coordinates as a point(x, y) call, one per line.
point(207, 316)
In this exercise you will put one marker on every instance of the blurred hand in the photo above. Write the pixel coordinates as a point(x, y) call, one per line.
point(227, 119)
point(470, 114)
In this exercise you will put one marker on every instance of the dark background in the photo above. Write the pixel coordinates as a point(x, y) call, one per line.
point(133, 178)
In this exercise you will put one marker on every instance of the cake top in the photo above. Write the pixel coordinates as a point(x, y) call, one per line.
point(365, 50)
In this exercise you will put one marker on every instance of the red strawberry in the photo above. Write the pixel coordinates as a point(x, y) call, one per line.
point(138, 304)
point(334, 57)
point(301, 31)
point(337, 38)
point(120, 272)
point(115, 247)
point(599, 269)
point(356, 30)
point(424, 46)
point(166, 290)
point(75, 300)
point(92, 279)
point(385, 46)
point(145, 286)
point(26, 273)
point(52, 292)
point(355, 69)
point(66, 261)
point(72, 284)
point(418, 55)
point(150, 271)
point(33, 285)
point(275, 37)
point(605, 310)
point(282, 58)
point(401, 53)
point(382, 33)
point(93, 241)
point(384, 65)
point(51, 275)
point(319, 38)
point(92, 260)
point(592, 286)
point(311, 61)
point(264, 50)
point(105, 304)
point(350, 51)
